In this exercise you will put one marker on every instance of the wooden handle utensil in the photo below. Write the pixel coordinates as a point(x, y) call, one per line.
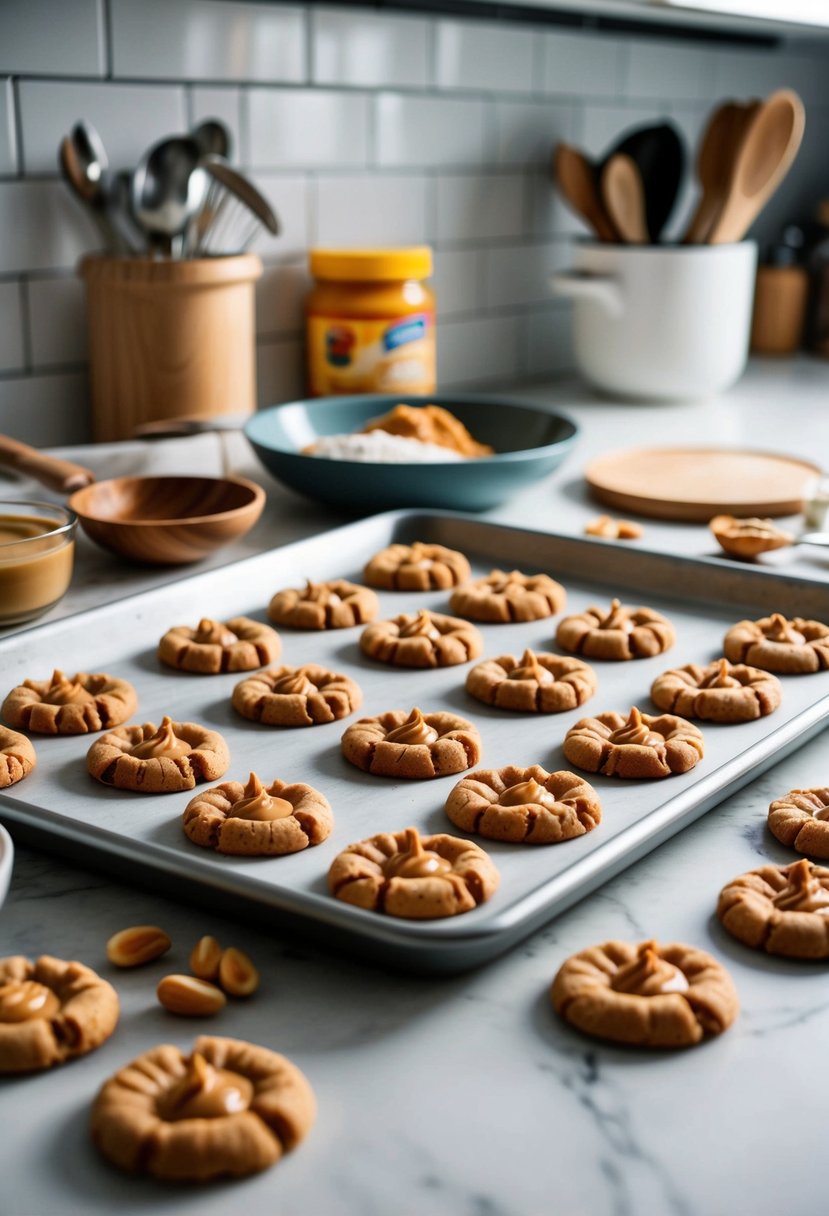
point(55, 474)
point(576, 179)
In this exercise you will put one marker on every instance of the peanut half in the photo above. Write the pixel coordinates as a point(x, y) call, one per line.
point(237, 974)
point(137, 945)
point(190, 997)
point(204, 960)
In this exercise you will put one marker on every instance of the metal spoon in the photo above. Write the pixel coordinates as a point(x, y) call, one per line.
point(168, 189)
point(213, 138)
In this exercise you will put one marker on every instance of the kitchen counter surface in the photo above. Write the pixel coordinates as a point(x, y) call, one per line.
point(465, 1096)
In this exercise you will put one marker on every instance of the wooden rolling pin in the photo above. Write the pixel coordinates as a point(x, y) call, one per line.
point(50, 471)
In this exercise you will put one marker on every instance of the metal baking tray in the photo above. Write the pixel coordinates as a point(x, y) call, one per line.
point(60, 807)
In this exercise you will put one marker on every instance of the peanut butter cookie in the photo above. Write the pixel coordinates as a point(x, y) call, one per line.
point(609, 528)
point(639, 746)
point(646, 995)
point(258, 821)
point(296, 696)
point(17, 757)
point(422, 639)
point(51, 1011)
point(70, 705)
point(228, 1109)
point(621, 633)
point(417, 567)
point(525, 805)
point(414, 877)
point(800, 819)
point(158, 760)
point(795, 647)
point(717, 692)
point(336, 604)
point(239, 644)
point(414, 745)
point(779, 909)
point(748, 538)
point(502, 597)
point(535, 683)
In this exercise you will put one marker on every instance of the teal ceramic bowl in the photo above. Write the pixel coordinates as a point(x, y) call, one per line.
point(529, 443)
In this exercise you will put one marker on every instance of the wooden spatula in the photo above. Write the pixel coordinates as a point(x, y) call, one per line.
point(576, 179)
point(624, 198)
point(715, 161)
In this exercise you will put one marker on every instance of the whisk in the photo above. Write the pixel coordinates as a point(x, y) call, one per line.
point(231, 215)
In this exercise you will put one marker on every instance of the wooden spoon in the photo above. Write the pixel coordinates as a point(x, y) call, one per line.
point(576, 179)
point(715, 159)
point(624, 198)
point(765, 155)
point(55, 474)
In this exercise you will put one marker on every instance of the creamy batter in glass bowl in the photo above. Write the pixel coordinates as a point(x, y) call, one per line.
point(37, 550)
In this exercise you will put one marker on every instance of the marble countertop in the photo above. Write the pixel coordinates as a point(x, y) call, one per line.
point(465, 1096)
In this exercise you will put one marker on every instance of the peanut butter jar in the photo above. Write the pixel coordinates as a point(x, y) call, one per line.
point(37, 550)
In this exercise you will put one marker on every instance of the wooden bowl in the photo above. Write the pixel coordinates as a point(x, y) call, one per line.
point(167, 520)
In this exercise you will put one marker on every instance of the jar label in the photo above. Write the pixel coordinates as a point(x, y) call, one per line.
point(372, 355)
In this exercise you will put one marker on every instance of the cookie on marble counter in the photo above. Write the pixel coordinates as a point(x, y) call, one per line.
point(790, 647)
point(51, 1011)
point(228, 1109)
point(416, 746)
point(503, 597)
point(296, 696)
point(717, 692)
point(800, 819)
point(524, 805)
point(70, 705)
point(254, 820)
point(158, 760)
point(336, 604)
point(422, 639)
point(646, 995)
point(417, 567)
point(639, 746)
point(536, 683)
point(418, 878)
point(618, 634)
point(17, 757)
point(240, 644)
point(780, 909)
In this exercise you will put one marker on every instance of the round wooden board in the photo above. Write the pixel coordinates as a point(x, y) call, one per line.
point(697, 483)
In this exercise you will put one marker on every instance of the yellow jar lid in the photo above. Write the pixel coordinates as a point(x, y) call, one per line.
point(372, 265)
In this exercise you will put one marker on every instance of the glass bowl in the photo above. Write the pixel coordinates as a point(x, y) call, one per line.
point(37, 551)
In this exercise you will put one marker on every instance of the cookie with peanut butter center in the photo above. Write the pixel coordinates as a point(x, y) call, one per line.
point(240, 644)
point(620, 633)
point(748, 538)
point(417, 567)
point(17, 757)
point(336, 604)
point(639, 746)
point(413, 877)
point(416, 746)
point(422, 639)
point(718, 692)
point(524, 805)
point(645, 995)
point(51, 1011)
point(158, 760)
point(503, 597)
point(535, 683)
point(780, 909)
point(297, 696)
point(255, 820)
point(790, 647)
point(70, 705)
point(228, 1109)
point(800, 819)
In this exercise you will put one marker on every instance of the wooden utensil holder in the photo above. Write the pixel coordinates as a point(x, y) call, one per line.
point(168, 338)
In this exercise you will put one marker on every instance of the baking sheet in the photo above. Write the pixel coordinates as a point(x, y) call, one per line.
point(60, 807)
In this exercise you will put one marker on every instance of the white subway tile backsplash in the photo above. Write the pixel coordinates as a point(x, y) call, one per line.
point(224, 104)
point(457, 281)
point(604, 125)
point(12, 355)
point(584, 65)
point(520, 274)
point(679, 71)
point(8, 132)
point(547, 212)
point(314, 128)
point(280, 298)
point(549, 341)
point(208, 40)
point(288, 195)
point(371, 209)
point(43, 227)
point(128, 117)
point(365, 48)
point(57, 320)
point(476, 350)
point(280, 372)
point(527, 131)
point(39, 37)
point(474, 207)
point(497, 58)
point(430, 131)
point(46, 411)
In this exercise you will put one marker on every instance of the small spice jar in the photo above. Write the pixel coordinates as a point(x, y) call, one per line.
point(371, 322)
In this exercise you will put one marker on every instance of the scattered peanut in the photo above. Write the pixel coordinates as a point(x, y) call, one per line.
point(613, 529)
point(137, 945)
point(237, 974)
point(204, 961)
point(190, 997)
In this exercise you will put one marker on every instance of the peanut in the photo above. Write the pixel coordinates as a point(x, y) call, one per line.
point(204, 960)
point(237, 974)
point(137, 945)
point(613, 529)
point(190, 997)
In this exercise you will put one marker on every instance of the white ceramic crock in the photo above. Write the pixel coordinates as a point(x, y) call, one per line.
point(659, 322)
